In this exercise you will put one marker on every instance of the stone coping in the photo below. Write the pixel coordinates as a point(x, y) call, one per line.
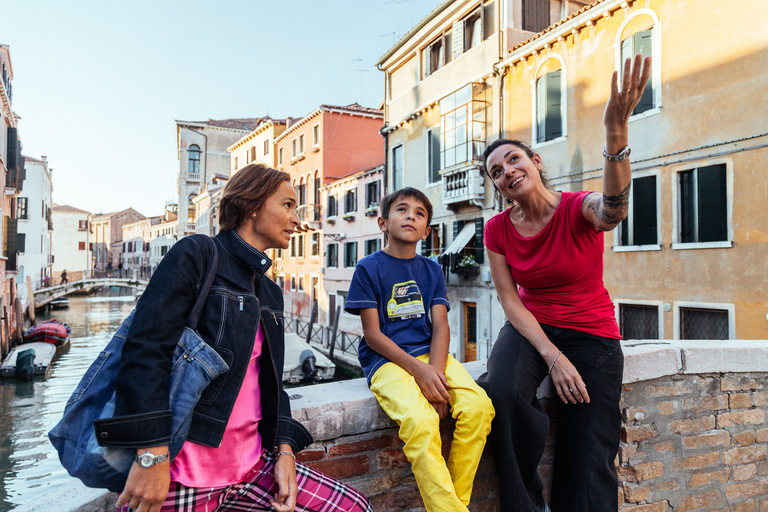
point(348, 408)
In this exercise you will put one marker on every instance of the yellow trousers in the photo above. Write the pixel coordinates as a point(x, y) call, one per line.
point(444, 488)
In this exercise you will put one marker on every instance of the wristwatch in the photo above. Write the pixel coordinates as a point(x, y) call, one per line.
point(623, 154)
point(149, 459)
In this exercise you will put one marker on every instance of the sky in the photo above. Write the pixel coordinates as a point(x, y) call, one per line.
point(98, 84)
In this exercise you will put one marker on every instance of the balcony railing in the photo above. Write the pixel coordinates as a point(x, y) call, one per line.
point(310, 212)
point(193, 176)
point(463, 184)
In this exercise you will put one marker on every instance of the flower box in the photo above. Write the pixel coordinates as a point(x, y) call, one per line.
point(371, 211)
point(349, 216)
point(467, 271)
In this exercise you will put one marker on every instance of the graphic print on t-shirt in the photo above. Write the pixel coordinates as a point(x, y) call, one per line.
point(406, 301)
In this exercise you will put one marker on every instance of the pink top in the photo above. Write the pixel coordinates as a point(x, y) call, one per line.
point(559, 270)
point(197, 465)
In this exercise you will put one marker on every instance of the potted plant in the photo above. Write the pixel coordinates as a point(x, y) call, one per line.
point(349, 216)
point(331, 219)
point(467, 266)
point(372, 209)
point(433, 256)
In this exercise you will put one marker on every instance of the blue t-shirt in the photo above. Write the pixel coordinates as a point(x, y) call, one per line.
point(402, 291)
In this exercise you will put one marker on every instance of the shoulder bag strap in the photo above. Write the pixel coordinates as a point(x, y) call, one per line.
point(194, 316)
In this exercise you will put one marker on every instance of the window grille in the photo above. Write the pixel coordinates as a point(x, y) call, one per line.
point(703, 324)
point(637, 322)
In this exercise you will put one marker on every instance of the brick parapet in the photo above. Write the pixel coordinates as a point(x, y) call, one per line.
point(693, 437)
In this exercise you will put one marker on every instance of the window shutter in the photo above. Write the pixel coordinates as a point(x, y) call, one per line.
point(354, 200)
point(687, 207)
point(643, 43)
point(458, 39)
point(427, 69)
point(21, 242)
point(554, 119)
point(457, 225)
point(541, 108)
point(480, 252)
point(644, 211)
point(713, 204)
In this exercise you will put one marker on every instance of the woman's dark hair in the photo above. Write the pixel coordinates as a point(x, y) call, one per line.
point(513, 142)
point(404, 193)
point(246, 191)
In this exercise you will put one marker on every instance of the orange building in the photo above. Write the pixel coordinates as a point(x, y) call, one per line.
point(330, 143)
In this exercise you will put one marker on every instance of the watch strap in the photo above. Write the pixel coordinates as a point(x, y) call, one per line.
point(151, 458)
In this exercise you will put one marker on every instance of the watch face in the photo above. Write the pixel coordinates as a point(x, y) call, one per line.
point(146, 460)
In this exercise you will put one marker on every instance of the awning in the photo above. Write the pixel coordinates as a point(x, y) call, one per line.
point(462, 239)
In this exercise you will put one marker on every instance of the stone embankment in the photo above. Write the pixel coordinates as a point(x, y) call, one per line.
point(694, 435)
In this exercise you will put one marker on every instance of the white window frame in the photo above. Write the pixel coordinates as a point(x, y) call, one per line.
point(302, 145)
point(694, 164)
point(428, 155)
point(656, 54)
point(316, 141)
point(341, 300)
point(402, 170)
point(266, 147)
point(279, 156)
point(723, 306)
point(659, 304)
point(336, 245)
point(617, 247)
point(292, 283)
point(563, 101)
point(294, 147)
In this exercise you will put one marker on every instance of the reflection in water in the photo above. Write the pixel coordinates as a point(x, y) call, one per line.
point(29, 466)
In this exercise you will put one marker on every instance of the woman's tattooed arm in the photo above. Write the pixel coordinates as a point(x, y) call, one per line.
point(606, 212)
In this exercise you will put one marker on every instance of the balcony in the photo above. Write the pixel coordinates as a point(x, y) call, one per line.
point(463, 184)
point(193, 176)
point(310, 215)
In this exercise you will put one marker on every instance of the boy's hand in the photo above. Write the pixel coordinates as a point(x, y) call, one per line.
point(433, 384)
point(441, 408)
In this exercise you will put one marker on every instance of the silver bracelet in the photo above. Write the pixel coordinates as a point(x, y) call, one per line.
point(553, 362)
point(623, 154)
point(285, 452)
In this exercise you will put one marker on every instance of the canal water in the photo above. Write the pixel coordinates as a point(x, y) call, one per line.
point(29, 466)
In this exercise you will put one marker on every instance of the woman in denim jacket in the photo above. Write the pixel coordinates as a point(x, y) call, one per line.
point(240, 447)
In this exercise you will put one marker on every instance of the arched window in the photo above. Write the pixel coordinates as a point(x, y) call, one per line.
point(194, 159)
point(191, 214)
point(640, 33)
point(317, 188)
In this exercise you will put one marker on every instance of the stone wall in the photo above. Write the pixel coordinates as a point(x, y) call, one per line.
point(694, 435)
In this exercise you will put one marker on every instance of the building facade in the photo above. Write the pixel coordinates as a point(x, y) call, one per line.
point(258, 145)
point(684, 264)
point(330, 143)
point(34, 223)
point(108, 237)
point(12, 172)
point(136, 250)
point(71, 244)
point(540, 72)
point(162, 236)
point(350, 232)
point(202, 153)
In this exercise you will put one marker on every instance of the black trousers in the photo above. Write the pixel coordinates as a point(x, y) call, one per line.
point(584, 475)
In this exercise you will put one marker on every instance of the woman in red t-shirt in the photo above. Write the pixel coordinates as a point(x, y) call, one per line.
point(560, 320)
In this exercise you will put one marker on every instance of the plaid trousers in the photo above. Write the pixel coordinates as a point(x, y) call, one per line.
point(317, 493)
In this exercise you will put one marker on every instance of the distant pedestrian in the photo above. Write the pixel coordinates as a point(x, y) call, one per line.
point(120, 269)
point(64, 276)
point(109, 269)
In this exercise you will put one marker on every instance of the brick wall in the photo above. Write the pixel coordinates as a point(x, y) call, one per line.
point(692, 438)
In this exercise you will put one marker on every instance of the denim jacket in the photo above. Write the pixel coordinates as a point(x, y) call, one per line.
point(240, 299)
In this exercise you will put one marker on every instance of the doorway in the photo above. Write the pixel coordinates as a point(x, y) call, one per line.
point(470, 331)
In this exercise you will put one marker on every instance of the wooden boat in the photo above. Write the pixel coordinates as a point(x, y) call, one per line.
point(39, 364)
point(51, 331)
point(304, 363)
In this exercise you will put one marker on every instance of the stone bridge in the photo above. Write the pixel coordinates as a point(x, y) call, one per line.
point(44, 296)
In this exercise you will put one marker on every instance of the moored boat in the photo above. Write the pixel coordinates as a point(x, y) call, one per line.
point(60, 303)
point(305, 363)
point(28, 359)
point(51, 331)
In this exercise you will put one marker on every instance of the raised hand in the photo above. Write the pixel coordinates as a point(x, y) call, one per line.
point(624, 100)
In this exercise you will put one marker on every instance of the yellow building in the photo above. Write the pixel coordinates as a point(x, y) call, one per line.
point(689, 261)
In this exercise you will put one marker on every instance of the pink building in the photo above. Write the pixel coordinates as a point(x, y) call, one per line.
point(329, 144)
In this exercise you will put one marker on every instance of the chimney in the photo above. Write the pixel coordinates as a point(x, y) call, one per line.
point(288, 122)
